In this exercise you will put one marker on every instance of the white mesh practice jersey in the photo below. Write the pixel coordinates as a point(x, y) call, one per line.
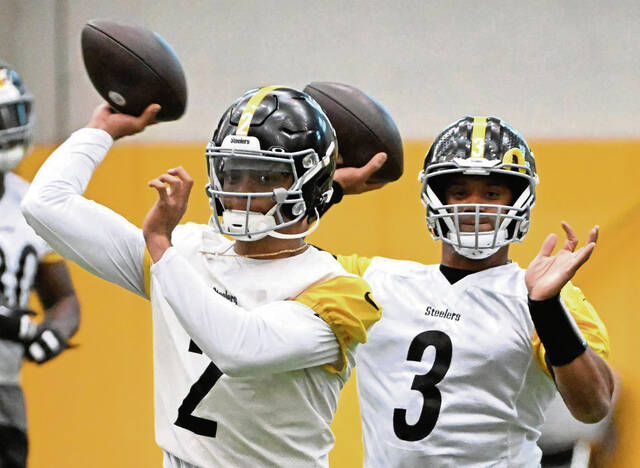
point(249, 355)
point(450, 375)
point(269, 419)
point(20, 252)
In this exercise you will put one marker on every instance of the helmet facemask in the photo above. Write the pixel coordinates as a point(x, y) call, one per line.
point(511, 222)
point(16, 126)
point(274, 173)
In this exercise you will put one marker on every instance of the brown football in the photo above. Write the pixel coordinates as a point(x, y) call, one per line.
point(132, 67)
point(363, 127)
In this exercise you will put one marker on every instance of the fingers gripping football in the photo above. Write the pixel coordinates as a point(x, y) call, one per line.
point(173, 189)
point(356, 179)
point(120, 125)
point(547, 273)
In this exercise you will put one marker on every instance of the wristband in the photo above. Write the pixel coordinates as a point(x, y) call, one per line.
point(557, 330)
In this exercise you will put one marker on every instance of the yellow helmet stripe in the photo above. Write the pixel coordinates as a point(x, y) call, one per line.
point(250, 109)
point(477, 137)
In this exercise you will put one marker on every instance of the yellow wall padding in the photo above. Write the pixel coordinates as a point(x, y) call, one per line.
point(93, 406)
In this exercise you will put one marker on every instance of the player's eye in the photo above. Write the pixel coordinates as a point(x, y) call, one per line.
point(233, 177)
point(265, 179)
point(457, 194)
point(494, 194)
point(273, 179)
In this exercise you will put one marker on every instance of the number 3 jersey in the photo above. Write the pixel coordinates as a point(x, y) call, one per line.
point(453, 375)
point(20, 252)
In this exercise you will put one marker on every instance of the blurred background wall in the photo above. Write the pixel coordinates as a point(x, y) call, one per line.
point(566, 74)
point(553, 69)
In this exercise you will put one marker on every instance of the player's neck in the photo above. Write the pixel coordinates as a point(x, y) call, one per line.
point(270, 248)
point(453, 259)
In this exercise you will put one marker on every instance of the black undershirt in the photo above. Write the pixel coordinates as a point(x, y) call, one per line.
point(454, 275)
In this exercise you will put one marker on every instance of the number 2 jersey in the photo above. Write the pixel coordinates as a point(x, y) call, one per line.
point(256, 381)
point(454, 375)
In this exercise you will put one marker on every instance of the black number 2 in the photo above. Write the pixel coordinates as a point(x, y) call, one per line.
point(202, 386)
point(425, 384)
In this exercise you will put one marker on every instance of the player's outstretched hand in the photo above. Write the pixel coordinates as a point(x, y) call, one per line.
point(173, 194)
point(354, 179)
point(120, 125)
point(547, 274)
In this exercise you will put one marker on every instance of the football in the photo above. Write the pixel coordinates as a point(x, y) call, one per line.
point(363, 127)
point(132, 67)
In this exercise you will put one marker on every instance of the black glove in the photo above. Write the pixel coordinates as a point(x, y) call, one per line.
point(15, 325)
point(45, 345)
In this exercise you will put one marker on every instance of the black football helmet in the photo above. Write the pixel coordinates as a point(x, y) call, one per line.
point(479, 146)
point(280, 134)
point(15, 119)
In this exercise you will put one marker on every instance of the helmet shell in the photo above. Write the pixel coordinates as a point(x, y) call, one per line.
point(16, 126)
point(479, 146)
point(287, 121)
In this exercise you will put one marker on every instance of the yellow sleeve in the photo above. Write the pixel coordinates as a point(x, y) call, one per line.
point(587, 320)
point(52, 257)
point(346, 304)
point(146, 265)
point(354, 264)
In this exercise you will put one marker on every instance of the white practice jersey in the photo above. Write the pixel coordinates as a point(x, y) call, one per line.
point(273, 419)
point(20, 252)
point(249, 355)
point(450, 375)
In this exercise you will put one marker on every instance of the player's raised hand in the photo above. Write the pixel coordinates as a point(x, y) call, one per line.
point(173, 189)
point(354, 179)
point(120, 125)
point(547, 273)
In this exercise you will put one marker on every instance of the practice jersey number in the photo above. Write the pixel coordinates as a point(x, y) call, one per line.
point(425, 384)
point(202, 386)
point(26, 268)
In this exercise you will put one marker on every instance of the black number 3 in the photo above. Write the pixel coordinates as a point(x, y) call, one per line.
point(425, 384)
point(202, 386)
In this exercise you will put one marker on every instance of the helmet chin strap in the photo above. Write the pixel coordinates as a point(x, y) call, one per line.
point(467, 247)
point(238, 222)
point(312, 228)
